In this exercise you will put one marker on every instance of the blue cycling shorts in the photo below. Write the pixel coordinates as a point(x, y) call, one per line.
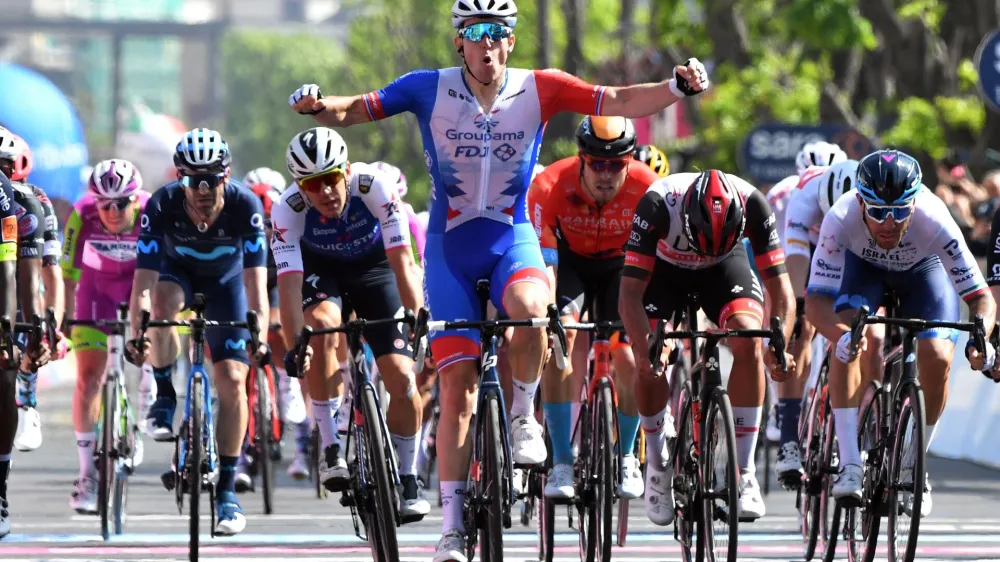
point(924, 292)
point(457, 260)
point(225, 299)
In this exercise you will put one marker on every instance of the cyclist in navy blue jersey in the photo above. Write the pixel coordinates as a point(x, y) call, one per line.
point(204, 234)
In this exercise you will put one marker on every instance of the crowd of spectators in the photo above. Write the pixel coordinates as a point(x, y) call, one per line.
point(972, 203)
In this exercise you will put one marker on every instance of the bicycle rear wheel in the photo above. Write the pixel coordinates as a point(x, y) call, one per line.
point(491, 491)
point(196, 456)
point(809, 490)
point(832, 516)
point(720, 471)
point(107, 459)
point(382, 499)
point(263, 427)
point(907, 473)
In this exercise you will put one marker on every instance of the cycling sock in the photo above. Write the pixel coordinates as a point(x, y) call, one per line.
point(85, 443)
point(452, 500)
point(789, 419)
point(574, 415)
point(28, 381)
point(747, 424)
point(557, 416)
point(628, 426)
point(929, 432)
point(146, 379)
point(227, 474)
point(302, 436)
point(656, 436)
point(523, 403)
point(325, 412)
point(845, 422)
point(164, 381)
point(406, 450)
point(4, 472)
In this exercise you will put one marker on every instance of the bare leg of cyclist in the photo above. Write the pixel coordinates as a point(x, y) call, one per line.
point(789, 465)
point(934, 357)
point(631, 484)
point(557, 395)
point(458, 383)
point(746, 392)
point(524, 300)
point(86, 411)
point(168, 298)
point(326, 391)
point(404, 420)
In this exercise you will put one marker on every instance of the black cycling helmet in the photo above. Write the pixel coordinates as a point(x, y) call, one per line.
point(606, 137)
point(889, 177)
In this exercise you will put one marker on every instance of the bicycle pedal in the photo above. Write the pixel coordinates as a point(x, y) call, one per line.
point(530, 467)
point(562, 501)
point(169, 480)
point(848, 503)
point(746, 519)
point(411, 518)
point(337, 486)
point(347, 500)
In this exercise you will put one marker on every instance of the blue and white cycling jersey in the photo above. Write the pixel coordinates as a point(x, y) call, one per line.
point(480, 162)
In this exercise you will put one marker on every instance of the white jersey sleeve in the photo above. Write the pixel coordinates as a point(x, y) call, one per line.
point(802, 218)
point(288, 219)
point(778, 197)
point(381, 196)
point(949, 244)
point(827, 268)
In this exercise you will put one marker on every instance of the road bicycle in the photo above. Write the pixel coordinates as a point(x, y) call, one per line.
point(374, 476)
point(118, 427)
point(490, 492)
point(891, 435)
point(706, 495)
point(196, 457)
point(264, 429)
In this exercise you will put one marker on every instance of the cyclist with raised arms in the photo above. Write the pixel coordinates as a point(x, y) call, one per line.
point(16, 163)
point(894, 233)
point(268, 185)
point(8, 365)
point(481, 125)
point(98, 265)
point(582, 208)
point(204, 234)
point(685, 242)
point(341, 239)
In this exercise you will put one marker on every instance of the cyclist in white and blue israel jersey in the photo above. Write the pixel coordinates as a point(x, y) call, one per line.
point(204, 234)
point(481, 125)
point(893, 233)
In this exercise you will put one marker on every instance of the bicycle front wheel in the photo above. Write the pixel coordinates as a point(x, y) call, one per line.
point(196, 453)
point(263, 426)
point(381, 500)
point(491, 488)
point(127, 443)
point(720, 471)
point(907, 480)
point(107, 460)
point(684, 457)
point(600, 478)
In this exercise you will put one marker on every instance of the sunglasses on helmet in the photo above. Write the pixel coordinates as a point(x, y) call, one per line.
point(316, 183)
point(119, 204)
point(614, 165)
point(880, 214)
point(197, 181)
point(476, 32)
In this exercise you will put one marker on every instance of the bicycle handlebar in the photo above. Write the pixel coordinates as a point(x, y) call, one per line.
point(775, 334)
point(863, 317)
point(357, 325)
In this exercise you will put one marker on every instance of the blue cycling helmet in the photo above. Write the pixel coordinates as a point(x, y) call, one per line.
point(202, 151)
point(889, 177)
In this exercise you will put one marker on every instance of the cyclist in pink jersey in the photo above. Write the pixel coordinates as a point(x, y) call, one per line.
point(98, 262)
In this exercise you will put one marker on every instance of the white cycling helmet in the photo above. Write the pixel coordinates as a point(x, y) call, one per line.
point(504, 10)
point(202, 151)
point(114, 179)
point(265, 176)
point(818, 153)
point(315, 151)
point(10, 146)
point(836, 181)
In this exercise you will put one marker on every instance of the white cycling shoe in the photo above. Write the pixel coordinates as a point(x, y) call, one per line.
point(752, 505)
point(631, 486)
point(659, 494)
point(847, 485)
point(298, 469)
point(29, 429)
point(451, 547)
point(559, 483)
point(526, 442)
point(84, 497)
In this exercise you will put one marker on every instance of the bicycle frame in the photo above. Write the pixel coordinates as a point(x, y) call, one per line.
point(489, 384)
point(198, 373)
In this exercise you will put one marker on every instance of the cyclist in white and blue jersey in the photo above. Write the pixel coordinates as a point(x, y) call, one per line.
point(481, 125)
point(894, 233)
point(204, 234)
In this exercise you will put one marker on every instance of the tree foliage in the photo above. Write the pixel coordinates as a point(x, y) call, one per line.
point(899, 71)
